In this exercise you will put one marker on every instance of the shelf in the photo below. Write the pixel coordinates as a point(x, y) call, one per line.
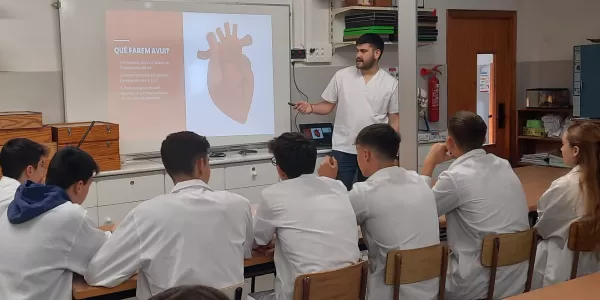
point(539, 138)
point(345, 44)
point(336, 11)
point(548, 109)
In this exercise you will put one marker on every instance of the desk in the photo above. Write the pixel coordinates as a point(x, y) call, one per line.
point(581, 288)
point(535, 180)
point(81, 290)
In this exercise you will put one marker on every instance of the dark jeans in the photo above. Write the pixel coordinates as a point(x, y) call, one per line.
point(348, 171)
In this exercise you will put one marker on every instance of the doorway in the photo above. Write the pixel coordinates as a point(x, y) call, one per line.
point(481, 53)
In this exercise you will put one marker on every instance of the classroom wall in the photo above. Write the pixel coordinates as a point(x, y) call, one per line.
point(30, 66)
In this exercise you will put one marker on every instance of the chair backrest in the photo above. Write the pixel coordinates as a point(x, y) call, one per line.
point(499, 250)
point(416, 265)
point(346, 283)
point(583, 237)
point(237, 292)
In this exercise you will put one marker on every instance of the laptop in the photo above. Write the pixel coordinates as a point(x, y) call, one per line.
point(319, 133)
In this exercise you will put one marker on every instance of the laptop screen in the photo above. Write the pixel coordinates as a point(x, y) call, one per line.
point(320, 133)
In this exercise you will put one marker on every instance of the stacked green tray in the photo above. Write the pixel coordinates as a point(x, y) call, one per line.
point(355, 33)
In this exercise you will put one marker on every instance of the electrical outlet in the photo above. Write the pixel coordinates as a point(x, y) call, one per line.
point(319, 53)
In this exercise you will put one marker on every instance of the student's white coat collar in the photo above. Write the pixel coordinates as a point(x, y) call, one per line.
point(468, 155)
point(8, 181)
point(385, 173)
point(194, 183)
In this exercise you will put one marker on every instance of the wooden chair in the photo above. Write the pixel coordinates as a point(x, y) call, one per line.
point(347, 283)
point(236, 292)
point(507, 249)
point(583, 237)
point(416, 265)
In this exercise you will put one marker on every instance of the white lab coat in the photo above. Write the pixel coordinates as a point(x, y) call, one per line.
point(480, 194)
point(396, 211)
point(193, 235)
point(359, 104)
point(315, 227)
point(38, 257)
point(560, 205)
point(8, 188)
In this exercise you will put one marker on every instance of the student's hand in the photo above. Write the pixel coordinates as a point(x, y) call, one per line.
point(304, 107)
point(329, 168)
point(266, 250)
point(438, 154)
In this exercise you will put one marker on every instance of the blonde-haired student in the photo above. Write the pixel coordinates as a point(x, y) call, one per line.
point(569, 198)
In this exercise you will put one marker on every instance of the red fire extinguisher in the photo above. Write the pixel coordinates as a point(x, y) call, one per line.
point(433, 89)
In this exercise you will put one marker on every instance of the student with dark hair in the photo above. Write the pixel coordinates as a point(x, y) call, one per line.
point(46, 235)
point(394, 207)
point(192, 235)
point(191, 292)
point(480, 194)
point(364, 94)
point(20, 161)
point(311, 216)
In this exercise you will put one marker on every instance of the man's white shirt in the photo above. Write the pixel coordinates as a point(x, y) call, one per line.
point(359, 104)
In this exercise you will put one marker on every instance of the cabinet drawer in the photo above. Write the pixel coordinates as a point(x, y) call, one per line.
point(125, 189)
point(114, 214)
point(93, 213)
point(250, 175)
point(253, 194)
point(216, 182)
point(92, 198)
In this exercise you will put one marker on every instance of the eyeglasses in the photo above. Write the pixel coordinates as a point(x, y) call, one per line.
point(273, 161)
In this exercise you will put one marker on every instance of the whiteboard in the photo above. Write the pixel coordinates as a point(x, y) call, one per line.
point(90, 42)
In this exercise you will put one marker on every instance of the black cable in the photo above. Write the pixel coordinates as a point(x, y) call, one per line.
point(299, 90)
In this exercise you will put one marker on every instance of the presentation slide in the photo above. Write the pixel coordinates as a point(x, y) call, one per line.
point(204, 72)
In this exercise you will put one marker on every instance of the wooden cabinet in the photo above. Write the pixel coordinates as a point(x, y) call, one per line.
point(20, 120)
point(102, 141)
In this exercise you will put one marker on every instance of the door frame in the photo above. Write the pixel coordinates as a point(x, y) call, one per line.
point(511, 117)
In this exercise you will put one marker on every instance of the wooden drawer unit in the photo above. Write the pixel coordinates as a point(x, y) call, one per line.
point(20, 120)
point(106, 153)
point(125, 189)
point(102, 141)
point(40, 135)
point(216, 182)
point(250, 175)
point(114, 214)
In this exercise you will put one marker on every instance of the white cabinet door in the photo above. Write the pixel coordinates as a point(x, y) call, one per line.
point(253, 194)
point(132, 188)
point(216, 182)
point(114, 214)
point(92, 198)
point(93, 213)
point(250, 175)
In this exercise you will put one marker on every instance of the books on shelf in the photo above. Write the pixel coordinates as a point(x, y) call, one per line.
point(543, 159)
point(385, 24)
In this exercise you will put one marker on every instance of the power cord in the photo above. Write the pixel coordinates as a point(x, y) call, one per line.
point(300, 91)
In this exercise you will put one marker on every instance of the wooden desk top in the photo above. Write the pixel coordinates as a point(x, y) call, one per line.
point(81, 290)
point(581, 288)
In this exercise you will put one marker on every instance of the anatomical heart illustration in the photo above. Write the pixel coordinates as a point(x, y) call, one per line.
point(230, 77)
